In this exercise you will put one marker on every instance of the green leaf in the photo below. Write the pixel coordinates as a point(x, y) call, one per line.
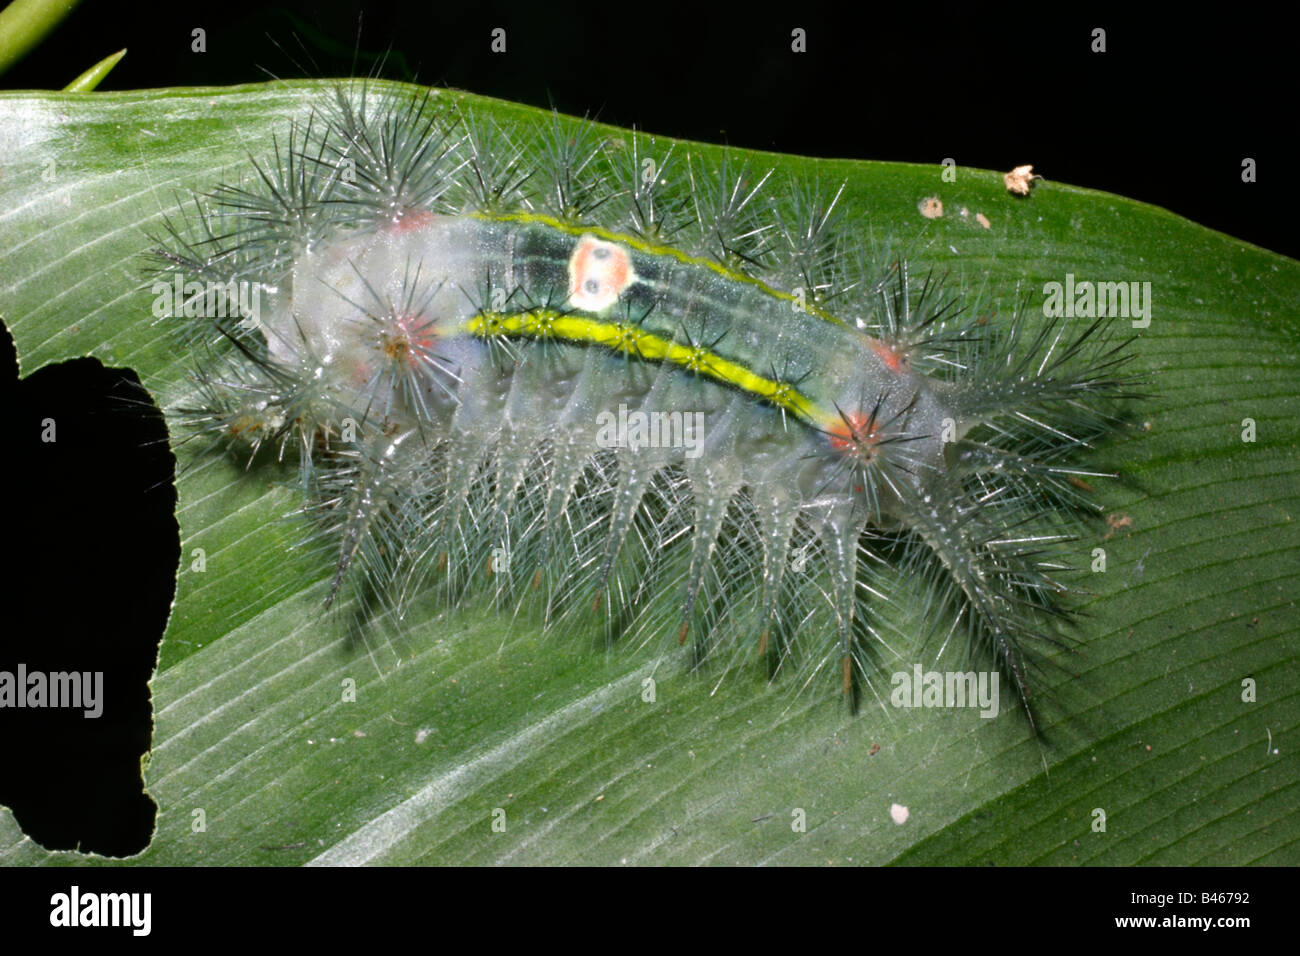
point(459, 717)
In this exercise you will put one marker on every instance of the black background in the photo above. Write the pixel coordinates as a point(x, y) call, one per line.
point(1165, 115)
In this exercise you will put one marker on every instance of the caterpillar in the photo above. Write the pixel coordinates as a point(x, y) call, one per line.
point(626, 384)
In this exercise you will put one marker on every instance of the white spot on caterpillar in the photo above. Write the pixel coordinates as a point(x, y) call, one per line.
point(599, 272)
point(899, 813)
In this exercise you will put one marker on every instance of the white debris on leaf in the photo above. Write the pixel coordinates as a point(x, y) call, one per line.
point(1020, 179)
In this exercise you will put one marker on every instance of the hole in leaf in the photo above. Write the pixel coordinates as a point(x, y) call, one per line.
point(92, 547)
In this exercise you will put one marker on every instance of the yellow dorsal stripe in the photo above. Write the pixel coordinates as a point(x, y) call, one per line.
point(632, 340)
point(654, 249)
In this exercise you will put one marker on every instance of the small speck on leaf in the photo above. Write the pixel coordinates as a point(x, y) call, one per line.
point(1020, 180)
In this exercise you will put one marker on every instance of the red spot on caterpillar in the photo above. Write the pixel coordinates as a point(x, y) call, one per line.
point(407, 338)
point(855, 434)
point(895, 360)
point(681, 636)
point(418, 330)
point(411, 220)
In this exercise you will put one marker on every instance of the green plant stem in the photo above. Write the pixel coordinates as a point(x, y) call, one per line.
point(87, 81)
point(25, 23)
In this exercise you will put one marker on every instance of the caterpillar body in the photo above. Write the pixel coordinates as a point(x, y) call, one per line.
point(624, 383)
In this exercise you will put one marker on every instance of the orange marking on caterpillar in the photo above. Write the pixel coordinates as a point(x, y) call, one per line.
point(417, 330)
point(857, 436)
point(894, 359)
